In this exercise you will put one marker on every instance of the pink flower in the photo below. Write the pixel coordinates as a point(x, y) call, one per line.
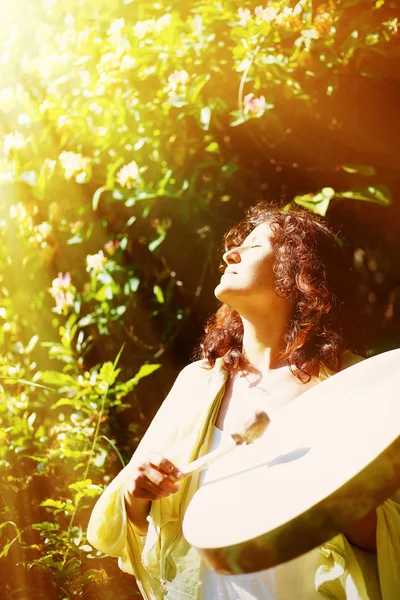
point(266, 14)
point(63, 293)
point(244, 15)
point(63, 302)
point(75, 226)
point(60, 283)
point(254, 105)
point(290, 18)
point(95, 262)
point(178, 78)
point(74, 163)
point(129, 175)
point(112, 246)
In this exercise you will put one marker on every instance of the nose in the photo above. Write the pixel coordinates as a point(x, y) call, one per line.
point(231, 256)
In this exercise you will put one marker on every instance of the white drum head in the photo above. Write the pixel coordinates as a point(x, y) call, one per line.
point(327, 459)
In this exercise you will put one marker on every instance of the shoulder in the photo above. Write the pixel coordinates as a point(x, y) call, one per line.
point(200, 371)
point(194, 368)
point(347, 360)
point(197, 379)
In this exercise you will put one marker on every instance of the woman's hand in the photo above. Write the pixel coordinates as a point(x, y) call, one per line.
point(154, 478)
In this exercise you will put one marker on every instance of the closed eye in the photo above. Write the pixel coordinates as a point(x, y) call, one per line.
point(256, 246)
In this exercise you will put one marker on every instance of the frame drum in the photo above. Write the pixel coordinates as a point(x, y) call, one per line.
point(327, 459)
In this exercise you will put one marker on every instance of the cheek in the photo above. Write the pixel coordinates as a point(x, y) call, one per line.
point(263, 273)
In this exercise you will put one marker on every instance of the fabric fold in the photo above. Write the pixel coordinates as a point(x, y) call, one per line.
point(388, 547)
point(164, 565)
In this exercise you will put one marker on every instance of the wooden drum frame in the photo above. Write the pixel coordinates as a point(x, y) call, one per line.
point(327, 459)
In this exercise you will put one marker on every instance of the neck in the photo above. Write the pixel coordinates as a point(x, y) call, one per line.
point(263, 341)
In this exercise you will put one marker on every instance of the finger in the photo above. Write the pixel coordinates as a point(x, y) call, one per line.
point(149, 480)
point(143, 488)
point(161, 480)
point(165, 465)
point(169, 485)
point(149, 487)
point(144, 495)
point(136, 490)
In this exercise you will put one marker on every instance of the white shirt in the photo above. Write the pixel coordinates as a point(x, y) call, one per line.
point(289, 581)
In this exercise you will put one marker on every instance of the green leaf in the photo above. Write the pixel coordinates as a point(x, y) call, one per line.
point(113, 446)
point(96, 197)
point(177, 101)
point(5, 523)
point(163, 182)
point(111, 171)
point(108, 373)
point(194, 91)
point(76, 239)
point(53, 503)
point(86, 320)
point(155, 243)
point(79, 486)
point(56, 378)
point(317, 203)
point(130, 221)
point(104, 293)
point(31, 344)
point(26, 382)
point(105, 278)
point(158, 294)
point(377, 193)
point(240, 118)
point(134, 283)
point(362, 169)
point(76, 403)
point(31, 419)
point(39, 459)
point(116, 361)
point(372, 39)
point(146, 370)
point(140, 143)
point(86, 489)
point(46, 526)
point(7, 546)
point(213, 147)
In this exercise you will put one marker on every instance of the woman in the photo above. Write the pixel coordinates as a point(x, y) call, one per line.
point(283, 326)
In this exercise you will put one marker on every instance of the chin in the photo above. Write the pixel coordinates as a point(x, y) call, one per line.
point(223, 293)
point(217, 292)
point(220, 292)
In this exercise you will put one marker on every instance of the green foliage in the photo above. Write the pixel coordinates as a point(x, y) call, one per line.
point(51, 443)
point(132, 134)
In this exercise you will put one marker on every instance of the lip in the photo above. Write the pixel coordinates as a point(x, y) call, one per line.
point(229, 272)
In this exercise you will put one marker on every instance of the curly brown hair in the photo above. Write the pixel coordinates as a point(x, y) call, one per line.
point(313, 270)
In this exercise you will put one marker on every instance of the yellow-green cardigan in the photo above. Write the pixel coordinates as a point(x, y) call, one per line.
point(164, 565)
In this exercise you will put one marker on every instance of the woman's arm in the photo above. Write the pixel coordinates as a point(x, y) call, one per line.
point(363, 532)
point(137, 511)
point(152, 479)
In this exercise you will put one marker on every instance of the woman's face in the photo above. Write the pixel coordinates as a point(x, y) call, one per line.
point(248, 280)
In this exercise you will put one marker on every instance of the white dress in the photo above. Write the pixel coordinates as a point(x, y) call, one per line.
point(289, 581)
